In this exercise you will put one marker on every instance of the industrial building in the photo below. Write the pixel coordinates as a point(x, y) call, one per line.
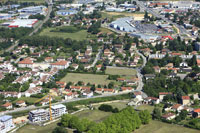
point(6, 123)
point(67, 12)
point(33, 10)
point(123, 24)
point(145, 37)
point(29, 23)
point(5, 16)
point(41, 115)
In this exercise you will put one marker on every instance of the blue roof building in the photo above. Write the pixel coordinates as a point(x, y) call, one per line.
point(67, 12)
point(6, 123)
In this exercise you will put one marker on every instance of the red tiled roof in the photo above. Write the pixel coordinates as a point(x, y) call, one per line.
point(165, 93)
point(197, 110)
point(60, 63)
point(185, 98)
point(168, 115)
point(6, 104)
point(175, 106)
point(109, 90)
point(26, 61)
point(20, 102)
point(126, 88)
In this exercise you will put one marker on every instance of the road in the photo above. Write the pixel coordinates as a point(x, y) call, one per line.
point(98, 56)
point(182, 30)
point(16, 43)
point(32, 107)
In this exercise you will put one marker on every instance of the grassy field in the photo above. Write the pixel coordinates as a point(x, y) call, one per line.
point(120, 71)
point(147, 107)
point(105, 30)
point(86, 78)
point(119, 105)
point(27, 99)
point(160, 127)
point(80, 35)
point(94, 115)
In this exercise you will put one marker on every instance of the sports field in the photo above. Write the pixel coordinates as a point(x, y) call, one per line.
point(86, 78)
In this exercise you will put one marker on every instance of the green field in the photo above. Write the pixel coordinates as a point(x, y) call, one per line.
point(86, 78)
point(27, 99)
point(120, 71)
point(94, 115)
point(146, 107)
point(119, 105)
point(80, 35)
point(160, 127)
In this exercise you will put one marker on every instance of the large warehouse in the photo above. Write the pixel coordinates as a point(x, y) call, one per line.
point(123, 24)
point(29, 23)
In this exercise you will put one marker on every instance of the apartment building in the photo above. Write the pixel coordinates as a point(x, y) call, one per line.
point(6, 123)
point(42, 115)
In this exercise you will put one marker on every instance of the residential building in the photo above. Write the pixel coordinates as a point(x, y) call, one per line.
point(58, 110)
point(21, 103)
point(196, 113)
point(38, 115)
point(177, 107)
point(6, 123)
point(169, 116)
point(7, 105)
point(60, 64)
point(185, 100)
point(163, 94)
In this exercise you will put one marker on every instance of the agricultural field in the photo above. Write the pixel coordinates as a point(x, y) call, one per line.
point(86, 78)
point(120, 71)
point(80, 35)
point(160, 127)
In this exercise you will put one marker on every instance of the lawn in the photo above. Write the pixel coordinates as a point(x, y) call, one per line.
point(27, 99)
point(147, 107)
point(80, 35)
point(86, 78)
point(120, 71)
point(95, 115)
point(105, 30)
point(160, 127)
point(119, 105)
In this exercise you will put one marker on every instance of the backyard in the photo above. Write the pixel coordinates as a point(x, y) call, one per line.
point(80, 35)
point(86, 78)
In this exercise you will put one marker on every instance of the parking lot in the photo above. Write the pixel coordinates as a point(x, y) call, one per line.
point(145, 28)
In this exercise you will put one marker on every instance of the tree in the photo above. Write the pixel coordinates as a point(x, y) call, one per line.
point(60, 130)
point(145, 116)
point(183, 114)
point(156, 113)
point(65, 119)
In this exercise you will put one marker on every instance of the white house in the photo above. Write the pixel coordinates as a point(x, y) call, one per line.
point(60, 64)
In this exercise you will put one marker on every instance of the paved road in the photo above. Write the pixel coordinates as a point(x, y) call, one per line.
point(35, 30)
point(182, 30)
point(98, 56)
point(32, 107)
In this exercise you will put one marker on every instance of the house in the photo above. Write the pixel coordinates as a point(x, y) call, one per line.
point(163, 94)
point(21, 103)
point(149, 76)
point(76, 88)
point(87, 93)
point(69, 96)
point(60, 64)
point(48, 59)
point(7, 105)
point(98, 67)
point(75, 66)
point(126, 89)
point(121, 79)
point(169, 116)
point(27, 62)
point(196, 113)
point(185, 100)
point(54, 92)
point(108, 91)
point(177, 107)
point(99, 90)
point(138, 95)
point(157, 69)
point(151, 100)
point(6, 123)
